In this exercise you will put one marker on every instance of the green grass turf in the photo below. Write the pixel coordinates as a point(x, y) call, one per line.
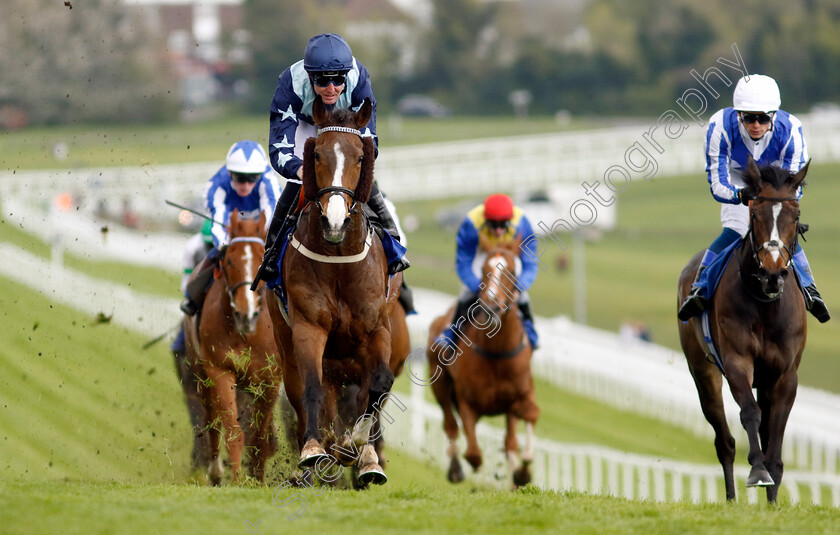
point(70, 507)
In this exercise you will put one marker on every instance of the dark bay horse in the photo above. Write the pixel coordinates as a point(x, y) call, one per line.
point(232, 345)
point(757, 324)
point(335, 276)
point(489, 372)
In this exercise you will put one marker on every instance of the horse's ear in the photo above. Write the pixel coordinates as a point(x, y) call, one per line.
point(319, 111)
point(753, 176)
point(261, 225)
point(234, 220)
point(363, 115)
point(365, 184)
point(310, 186)
point(799, 177)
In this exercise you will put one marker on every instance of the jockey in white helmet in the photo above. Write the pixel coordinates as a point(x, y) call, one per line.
point(753, 126)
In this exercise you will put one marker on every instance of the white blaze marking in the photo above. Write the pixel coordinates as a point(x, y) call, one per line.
point(248, 257)
point(499, 264)
point(335, 205)
point(774, 253)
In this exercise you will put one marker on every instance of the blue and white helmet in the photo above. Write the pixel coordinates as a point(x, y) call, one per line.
point(327, 52)
point(246, 157)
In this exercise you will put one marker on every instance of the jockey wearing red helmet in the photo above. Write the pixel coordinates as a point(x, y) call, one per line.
point(499, 221)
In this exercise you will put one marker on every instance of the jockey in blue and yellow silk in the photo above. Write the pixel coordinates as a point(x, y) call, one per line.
point(753, 126)
point(499, 221)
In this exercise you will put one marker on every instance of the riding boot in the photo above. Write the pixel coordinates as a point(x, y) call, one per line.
point(386, 222)
point(281, 221)
point(528, 323)
point(406, 299)
point(695, 302)
point(197, 287)
point(447, 336)
point(813, 300)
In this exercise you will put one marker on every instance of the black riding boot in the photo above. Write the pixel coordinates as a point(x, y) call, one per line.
point(525, 309)
point(282, 219)
point(197, 287)
point(377, 204)
point(406, 298)
point(694, 303)
point(815, 304)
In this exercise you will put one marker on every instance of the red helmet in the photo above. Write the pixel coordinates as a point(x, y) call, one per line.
point(498, 207)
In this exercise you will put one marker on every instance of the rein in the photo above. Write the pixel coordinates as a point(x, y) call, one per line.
point(756, 251)
point(231, 290)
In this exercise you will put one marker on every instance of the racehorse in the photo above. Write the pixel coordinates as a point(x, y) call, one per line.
point(335, 277)
point(758, 328)
point(489, 372)
point(231, 343)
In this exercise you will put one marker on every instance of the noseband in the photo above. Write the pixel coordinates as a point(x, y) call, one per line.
point(767, 247)
point(338, 190)
point(231, 289)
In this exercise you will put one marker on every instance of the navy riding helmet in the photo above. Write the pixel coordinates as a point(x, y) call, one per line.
point(327, 52)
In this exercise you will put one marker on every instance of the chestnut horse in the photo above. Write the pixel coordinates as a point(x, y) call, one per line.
point(489, 372)
point(335, 276)
point(231, 343)
point(758, 328)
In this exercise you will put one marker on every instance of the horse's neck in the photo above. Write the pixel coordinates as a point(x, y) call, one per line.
point(309, 233)
point(508, 336)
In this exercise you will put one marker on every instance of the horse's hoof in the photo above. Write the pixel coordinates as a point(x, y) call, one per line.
point(372, 473)
point(521, 477)
point(474, 460)
point(311, 453)
point(455, 473)
point(760, 478)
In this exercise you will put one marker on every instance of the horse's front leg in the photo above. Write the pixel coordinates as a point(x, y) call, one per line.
point(309, 341)
point(778, 401)
point(381, 380)
point(739, 373)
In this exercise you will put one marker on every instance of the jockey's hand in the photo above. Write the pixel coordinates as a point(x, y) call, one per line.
point(746, 194)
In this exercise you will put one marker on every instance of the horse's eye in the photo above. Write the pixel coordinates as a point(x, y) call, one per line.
point(361, 158)
point(317, 157)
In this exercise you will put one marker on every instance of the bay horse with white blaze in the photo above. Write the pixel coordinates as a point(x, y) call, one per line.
point(335, 276)
point(489, 370)
point(231, 342)
point(757, 324)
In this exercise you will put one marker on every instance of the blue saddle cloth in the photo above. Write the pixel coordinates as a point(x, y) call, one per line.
point(710, 278)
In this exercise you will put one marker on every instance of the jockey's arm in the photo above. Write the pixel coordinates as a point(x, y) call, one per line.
point(529, 264)
point(216, 203)
point(466, 245)
point(283, 123)
point(718, 154)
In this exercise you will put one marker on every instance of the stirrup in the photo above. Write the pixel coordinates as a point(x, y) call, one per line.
point(694, 305)
point(400, 265)
point(815, 304)
point(188, 307)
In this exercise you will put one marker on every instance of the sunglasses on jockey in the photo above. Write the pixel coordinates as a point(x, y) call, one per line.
point(323, 79)
point(761, 118)
point(498, 225)
point(245, 178)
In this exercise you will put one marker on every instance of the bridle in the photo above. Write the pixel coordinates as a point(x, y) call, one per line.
point(338, 190)
point(769, 246)
point(231, 288)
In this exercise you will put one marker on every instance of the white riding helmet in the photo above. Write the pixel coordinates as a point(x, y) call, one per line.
point(246, 157)
point(756, 92)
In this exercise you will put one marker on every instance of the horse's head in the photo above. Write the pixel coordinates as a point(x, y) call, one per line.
point(499, 278)
point(338, 166)
point(774, 223)
point(239, 266)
